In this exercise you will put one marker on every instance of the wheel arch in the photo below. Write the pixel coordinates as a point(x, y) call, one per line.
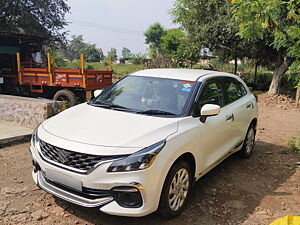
point(190, 159)
point(186, 157)
point(254, 123)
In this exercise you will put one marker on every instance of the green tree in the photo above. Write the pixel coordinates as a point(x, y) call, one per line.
point(152, 52)
point(34, 17)
point(73, 49)
point(172, 41)
point(280, 20)
point(208, 24)
point(76, 46)
point(138, 58)
point(153, 35)
point(113, 53)
point(177, 47)
point(126, 53)
point(92, 54)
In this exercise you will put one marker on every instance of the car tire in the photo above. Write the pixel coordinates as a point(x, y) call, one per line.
point(67, 96)
point(249, 142)
point(176, 190)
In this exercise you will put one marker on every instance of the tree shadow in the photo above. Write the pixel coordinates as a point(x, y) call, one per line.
point(226, 195)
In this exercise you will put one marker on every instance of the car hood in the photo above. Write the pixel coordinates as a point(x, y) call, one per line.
point(109, 128)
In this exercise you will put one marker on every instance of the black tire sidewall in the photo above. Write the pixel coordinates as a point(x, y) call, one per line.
point(243, 151)
point(164, 208)
point(67, 93)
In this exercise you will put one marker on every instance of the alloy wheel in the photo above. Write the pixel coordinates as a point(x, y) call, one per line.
point(179, 189)
point(250, 141)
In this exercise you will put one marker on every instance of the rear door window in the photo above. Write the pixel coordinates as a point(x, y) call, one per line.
point(233, 90)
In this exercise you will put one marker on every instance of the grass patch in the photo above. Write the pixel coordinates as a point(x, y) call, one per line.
point(294, 144)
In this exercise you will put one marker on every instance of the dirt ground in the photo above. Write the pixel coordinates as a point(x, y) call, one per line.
point(249, 192)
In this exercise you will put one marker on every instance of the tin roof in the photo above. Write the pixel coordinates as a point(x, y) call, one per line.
point(20, 35)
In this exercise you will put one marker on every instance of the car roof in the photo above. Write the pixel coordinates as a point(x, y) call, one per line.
point(181, 74)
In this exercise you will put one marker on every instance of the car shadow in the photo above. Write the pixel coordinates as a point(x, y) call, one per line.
point(226, 195)
point(23, 140)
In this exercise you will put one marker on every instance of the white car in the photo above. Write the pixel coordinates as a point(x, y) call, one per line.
point(141, 144)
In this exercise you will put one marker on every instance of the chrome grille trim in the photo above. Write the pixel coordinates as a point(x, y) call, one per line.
point(50, 155)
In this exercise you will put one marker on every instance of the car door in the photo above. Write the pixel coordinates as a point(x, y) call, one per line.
point(215, 131)
point(237, 105)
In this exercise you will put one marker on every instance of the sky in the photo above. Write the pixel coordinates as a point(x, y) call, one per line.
point(117, 23)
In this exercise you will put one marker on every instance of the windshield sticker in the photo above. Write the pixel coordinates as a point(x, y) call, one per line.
point(186, 89)
point(187, 85)
point(187, 82)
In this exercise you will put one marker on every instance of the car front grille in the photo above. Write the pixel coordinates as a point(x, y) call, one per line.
point(78, 162)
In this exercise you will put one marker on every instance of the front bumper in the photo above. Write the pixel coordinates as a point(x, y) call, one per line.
point(148, 183)
point(67, 195)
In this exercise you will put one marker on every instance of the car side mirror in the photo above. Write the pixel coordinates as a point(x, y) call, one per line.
point(97, 93)
point(209, 110)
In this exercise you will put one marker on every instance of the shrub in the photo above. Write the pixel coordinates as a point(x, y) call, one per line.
point(118, 69)
point(246, 71)
point(72, 65)
point(294, 144)
point(290, 81)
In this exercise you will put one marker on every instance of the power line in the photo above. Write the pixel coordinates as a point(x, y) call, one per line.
point(106, 28)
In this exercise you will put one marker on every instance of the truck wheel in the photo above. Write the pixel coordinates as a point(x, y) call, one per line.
point(67, 96)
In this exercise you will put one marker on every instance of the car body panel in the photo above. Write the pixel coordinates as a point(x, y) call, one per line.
point(111, 128)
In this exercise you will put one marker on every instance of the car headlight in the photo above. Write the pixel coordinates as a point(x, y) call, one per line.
point(138, 161)
point(34, 137)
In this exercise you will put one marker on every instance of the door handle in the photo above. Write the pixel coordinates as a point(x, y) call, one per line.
point(249, 105)
point(230, 117)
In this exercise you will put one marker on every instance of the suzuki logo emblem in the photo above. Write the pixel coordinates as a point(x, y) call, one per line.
point(63, 156)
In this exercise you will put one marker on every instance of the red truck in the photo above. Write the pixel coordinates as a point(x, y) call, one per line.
point(71, 85)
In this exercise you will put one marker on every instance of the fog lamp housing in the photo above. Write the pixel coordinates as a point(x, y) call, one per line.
point(36, 166)
point(127, 197)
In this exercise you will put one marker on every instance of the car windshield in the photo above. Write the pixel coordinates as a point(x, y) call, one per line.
point(146, 95)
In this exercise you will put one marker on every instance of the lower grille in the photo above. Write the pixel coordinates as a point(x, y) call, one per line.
point(73, 160)
point(82, 198)
point(86, 192)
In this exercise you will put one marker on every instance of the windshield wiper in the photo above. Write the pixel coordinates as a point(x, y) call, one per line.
point(111, 106)
point(123, 108)
point(156, 112)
